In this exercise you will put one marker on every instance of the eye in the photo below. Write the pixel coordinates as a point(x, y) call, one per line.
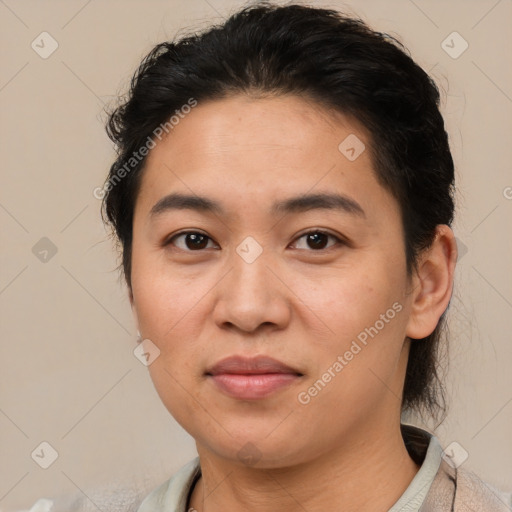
point(318, 239)
point(196, 241)
point(193, 241)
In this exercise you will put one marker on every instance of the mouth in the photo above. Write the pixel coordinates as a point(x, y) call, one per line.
point(251, 378)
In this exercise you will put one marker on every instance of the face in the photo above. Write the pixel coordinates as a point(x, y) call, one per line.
point(318, 285)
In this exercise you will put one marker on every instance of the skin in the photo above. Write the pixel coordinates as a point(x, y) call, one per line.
point(301, 305)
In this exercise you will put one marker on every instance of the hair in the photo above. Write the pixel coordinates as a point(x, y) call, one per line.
point(341, 64)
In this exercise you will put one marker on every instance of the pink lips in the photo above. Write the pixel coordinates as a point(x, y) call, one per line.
point(251, 378)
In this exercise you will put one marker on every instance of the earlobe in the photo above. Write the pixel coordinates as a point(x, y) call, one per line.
point(432, 284)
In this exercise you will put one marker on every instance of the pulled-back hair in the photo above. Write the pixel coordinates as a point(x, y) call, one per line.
point(336, 61)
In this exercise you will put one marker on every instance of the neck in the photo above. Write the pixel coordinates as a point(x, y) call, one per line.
point(369, 471)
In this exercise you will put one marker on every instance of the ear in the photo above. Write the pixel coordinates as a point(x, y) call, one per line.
point(432, 284)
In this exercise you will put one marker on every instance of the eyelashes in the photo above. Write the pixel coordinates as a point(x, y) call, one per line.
point(198, 242)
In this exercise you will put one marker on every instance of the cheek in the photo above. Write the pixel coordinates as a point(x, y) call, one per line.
point(363, 316)
point(347, 301)
point(166, 302)
point(178, 394)
point(168, 311)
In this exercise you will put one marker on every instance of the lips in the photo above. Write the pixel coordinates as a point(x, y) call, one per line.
point(256, 365)
point(251, 378)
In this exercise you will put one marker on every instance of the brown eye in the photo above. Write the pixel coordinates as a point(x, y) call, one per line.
point(318, 240)
point(193, 241)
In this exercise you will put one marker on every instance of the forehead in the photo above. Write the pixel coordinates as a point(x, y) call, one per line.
point(279, 124)
point(264, 148)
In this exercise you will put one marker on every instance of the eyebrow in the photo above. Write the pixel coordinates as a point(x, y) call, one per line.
point(302, 203)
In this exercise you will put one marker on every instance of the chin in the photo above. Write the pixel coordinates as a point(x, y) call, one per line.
point(260, 451)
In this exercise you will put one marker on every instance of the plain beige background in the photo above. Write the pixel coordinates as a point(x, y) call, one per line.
point(68, 374)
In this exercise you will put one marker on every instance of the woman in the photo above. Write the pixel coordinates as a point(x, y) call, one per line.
point(283, 197)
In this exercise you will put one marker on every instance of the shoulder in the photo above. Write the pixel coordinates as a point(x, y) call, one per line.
point(475, 493)
point(460, 490)
point(139, 494)
point(453, 488)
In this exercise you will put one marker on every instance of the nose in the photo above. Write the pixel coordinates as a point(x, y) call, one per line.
point(252, 295)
